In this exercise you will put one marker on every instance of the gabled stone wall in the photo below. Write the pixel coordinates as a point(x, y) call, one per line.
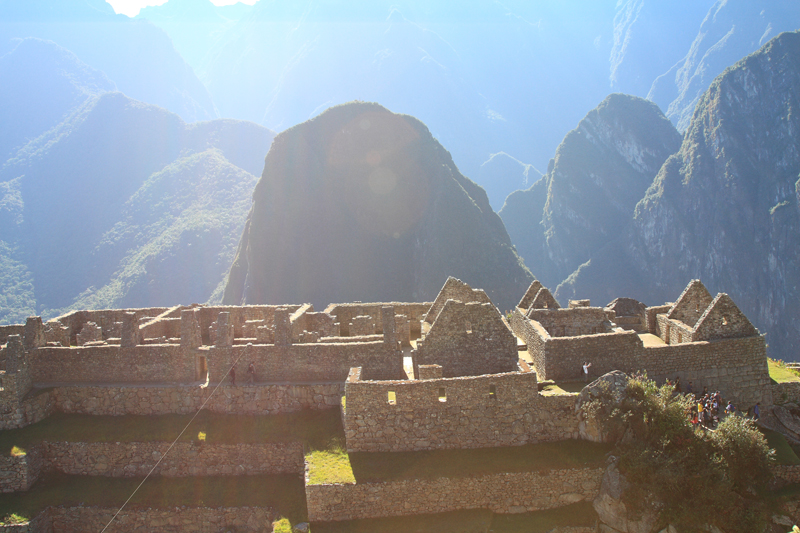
point(454, 289)
point(468, 340)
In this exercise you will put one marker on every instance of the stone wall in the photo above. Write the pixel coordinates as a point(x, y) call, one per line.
point(455, 289)
point(786, 392)
point(468, 340)
point(242, 399)
point(306, 362)
point(652, 322)
point(564, 356)
point(109, 320)
point(261, 399)
point(467, 412)
point(571, 322)
point(157, 363)
point(197, 519)
point(32, 409)
point(501, 493)
point(737, 366)
point(691, 304)
point(136, 459)
point(345, 313)
point(13, 329)
point(20, 472)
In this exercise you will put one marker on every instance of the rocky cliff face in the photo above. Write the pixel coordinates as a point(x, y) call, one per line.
point(362, 204)
point(601, 170)
point(726, 207)
point(731, 30)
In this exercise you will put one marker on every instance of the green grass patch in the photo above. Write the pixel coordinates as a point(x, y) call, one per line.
point(282, 526)
point(784, 454)
point(316, 429)
point(377, 466)
point(284, 493)
point(329, 466)
point(779, 372)
point(567, 387)
point(469, 521)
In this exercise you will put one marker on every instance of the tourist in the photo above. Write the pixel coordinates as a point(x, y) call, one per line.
point(678, 384)
point(586, 366)
point(730, 409)
point(232, 373)
point(756, 411)
point(690, 389)
point(251, 372)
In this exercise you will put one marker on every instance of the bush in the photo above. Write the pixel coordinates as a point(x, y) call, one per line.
point(687, 471)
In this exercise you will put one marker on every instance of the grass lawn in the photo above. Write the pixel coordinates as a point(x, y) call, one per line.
point(567, 387)
point(314, 428)
point(780, 373)
point(469, 521)
point(329, 466)
point(380, 466)
point(284, 493)
point(784, 454)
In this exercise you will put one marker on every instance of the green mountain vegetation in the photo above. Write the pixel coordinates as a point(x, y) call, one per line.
point(123, 204)
point(42, 83)
point(363, 204)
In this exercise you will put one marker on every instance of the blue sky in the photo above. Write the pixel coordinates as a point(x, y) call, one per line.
point(132, 7)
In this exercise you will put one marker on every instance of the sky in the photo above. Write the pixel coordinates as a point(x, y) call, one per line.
point(132, 7)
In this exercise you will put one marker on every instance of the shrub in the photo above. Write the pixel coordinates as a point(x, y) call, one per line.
point(687, 471)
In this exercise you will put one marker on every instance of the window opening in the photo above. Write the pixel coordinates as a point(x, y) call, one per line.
point(391, 397)
point(469, 326)
point(442, 394)
point(724, 321)
point(492, 392)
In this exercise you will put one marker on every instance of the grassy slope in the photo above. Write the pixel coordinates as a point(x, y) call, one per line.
point(780, 373)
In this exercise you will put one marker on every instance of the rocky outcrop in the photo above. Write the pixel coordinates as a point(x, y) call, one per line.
point(614, 383)
point(601, 170)
point(612, 511)
point(361, 204)
point(726, 207)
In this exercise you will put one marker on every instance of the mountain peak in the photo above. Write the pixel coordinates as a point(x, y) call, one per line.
point(360, 203)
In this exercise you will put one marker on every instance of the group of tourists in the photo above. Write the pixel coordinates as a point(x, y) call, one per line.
point(707, 407)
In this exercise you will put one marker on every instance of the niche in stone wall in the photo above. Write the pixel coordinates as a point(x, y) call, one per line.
point(442, 394)
point(202, 368)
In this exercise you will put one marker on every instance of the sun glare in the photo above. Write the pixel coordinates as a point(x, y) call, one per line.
point(132, 7)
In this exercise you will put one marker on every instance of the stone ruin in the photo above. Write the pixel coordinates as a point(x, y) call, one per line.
point(417, 376)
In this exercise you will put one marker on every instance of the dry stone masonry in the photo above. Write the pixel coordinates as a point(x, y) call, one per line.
point(465, 387)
